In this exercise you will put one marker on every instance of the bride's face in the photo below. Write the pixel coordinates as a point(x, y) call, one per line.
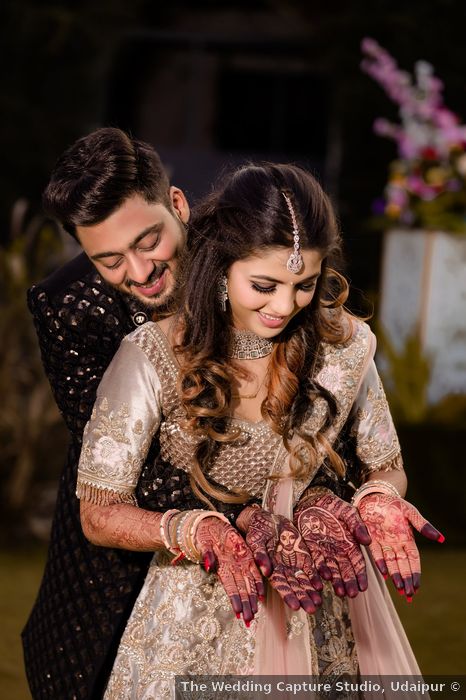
point(264, 295)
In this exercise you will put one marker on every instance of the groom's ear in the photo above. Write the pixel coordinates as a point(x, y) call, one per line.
point(179, 204)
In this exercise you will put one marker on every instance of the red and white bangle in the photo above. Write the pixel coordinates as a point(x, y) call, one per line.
point(164, 529)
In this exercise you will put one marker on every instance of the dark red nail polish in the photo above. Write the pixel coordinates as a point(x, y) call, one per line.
point(238, 616)
point(400, 591)
point(247, 623)
point(409, 598)
point(441, 539)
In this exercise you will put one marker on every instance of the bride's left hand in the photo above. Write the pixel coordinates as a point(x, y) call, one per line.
point(390, 521)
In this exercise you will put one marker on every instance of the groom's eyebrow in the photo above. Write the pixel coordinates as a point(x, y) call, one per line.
point(155, 228)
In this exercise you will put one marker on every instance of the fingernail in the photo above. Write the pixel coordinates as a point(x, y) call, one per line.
point(441, 539)
point(262, 598)
point(238, 616)
point(206, 564)
point(409, 598)
point(385, 576)
point(247, 623)
point(400, 591)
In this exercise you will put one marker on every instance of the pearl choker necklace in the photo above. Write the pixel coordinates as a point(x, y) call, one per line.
point(247, 345)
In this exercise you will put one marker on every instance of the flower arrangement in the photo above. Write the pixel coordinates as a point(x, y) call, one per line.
point(427, 182)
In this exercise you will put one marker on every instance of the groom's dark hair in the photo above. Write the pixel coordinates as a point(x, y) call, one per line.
point(95, 175)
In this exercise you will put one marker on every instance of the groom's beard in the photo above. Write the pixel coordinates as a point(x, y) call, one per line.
point(166, 301)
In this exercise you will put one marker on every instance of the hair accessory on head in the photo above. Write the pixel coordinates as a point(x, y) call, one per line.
point(222, 292)
point(295, 262)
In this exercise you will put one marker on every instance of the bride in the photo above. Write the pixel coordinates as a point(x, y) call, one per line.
point(253, 385)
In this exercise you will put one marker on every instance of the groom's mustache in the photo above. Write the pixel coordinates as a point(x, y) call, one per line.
point(153, 277)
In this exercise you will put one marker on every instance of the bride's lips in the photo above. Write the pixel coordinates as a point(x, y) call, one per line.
point(270, 321)
point(155, 288)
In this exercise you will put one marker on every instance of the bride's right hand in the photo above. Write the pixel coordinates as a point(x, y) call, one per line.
point(224, 550)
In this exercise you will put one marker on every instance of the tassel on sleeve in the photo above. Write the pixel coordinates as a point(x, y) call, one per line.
point(101, 496)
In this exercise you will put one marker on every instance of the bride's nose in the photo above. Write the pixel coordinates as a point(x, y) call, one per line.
point(283, 302)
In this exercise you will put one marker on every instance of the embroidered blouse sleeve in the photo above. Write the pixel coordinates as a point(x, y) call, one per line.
point(377, 445)
point(116, 439)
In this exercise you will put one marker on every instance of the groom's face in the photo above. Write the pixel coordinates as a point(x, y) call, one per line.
point(137, 248)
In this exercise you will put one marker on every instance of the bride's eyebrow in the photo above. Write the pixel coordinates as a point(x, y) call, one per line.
point(266, 278)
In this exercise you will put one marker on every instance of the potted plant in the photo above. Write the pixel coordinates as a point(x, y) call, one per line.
point(423, 213)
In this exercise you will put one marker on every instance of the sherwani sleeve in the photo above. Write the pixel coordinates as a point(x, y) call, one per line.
point(377, 445)
point(74, 353)
point(116, 439)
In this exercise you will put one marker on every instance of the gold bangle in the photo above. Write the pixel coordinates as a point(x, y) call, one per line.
point(386, 484)
point(205, 514)
point(374, 486)
point(239, 520)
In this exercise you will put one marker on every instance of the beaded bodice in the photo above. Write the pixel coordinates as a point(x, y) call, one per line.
point(240, 465)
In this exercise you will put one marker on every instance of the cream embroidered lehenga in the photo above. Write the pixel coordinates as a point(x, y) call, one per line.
point(182, 622)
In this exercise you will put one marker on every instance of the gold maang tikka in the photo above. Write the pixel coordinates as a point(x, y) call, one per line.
point(295, 262)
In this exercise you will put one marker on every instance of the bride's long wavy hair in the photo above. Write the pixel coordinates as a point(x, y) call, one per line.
point(244, 216)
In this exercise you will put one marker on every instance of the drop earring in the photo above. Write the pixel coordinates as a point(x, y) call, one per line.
point(222, 292)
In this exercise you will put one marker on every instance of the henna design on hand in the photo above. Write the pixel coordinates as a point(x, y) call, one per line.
point(222, 548)
point(281, 554)
point(390, 521)
point(333, 532)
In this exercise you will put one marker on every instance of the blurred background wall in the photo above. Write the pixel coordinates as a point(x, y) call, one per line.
point(210, 84)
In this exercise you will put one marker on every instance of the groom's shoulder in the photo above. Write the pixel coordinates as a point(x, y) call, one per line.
point(77, 274)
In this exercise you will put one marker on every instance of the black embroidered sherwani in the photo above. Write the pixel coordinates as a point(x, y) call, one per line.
point(87, 592)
